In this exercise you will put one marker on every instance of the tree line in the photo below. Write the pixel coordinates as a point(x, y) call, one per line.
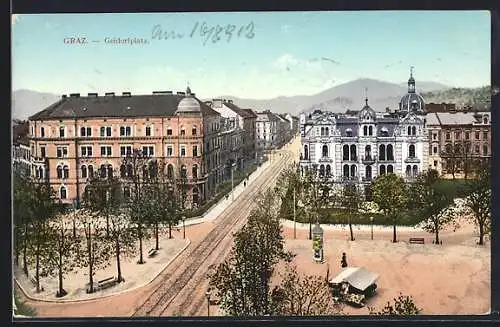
point(304, 195)
point(107, 226)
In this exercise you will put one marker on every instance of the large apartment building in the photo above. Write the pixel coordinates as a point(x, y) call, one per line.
point(80, 135)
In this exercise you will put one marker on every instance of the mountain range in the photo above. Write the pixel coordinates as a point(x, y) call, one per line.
point(350, 95)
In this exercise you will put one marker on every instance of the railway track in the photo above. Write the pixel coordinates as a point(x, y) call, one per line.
point(184, 277)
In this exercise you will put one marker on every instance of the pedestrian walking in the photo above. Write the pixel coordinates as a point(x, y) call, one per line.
point(343, 262)
point(244, 184)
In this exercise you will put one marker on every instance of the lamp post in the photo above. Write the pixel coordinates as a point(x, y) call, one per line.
point(207, 295)
point(184, 225)
point(371, 220)
point(294, 215)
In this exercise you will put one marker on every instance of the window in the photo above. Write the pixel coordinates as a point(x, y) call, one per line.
point(457, 135)
point(62, 151)
point(365, 130)
point(485, 150)
point(59, 172)
point(485, 135)
point(411, 151)
point(42, 132)
point(370, 130)
point(90, 170)
point(125, 150)
point(467, 135)
point(195, 150)
point(195, 171)
point(435, 150)
point(382, 170)
point(345, 152)
point(106, 150)
point(409, 130)
point(390, 169)
point(86, 151)
point(125, 131)
point(183, 132)
point(193, 131)
point(170, 171)
point(43, 154)
point(170, 151)
point(148, 130)
point(183, 150)
point(84, 171)
point(325, 151)
point(169, 131)
point(381, 152)
point(476, 149)
point(183, 171)
point(148, 151)
point(85, 131)
point(62, 131)
point(448, 136)
point(390, 154)
point(435, 163)
point(434, 136)
point(105, 131)
point(65, 172)
point(477, 135)
point(102, 171)
point(62, 193)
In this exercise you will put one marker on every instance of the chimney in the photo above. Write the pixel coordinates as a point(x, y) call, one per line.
point(110, 94)
point(181, 93)
point(162, 92)
point(64, 96)
point(126, 94)
point(74, 95)
point(217, 103)
point(230, 101)
point(93, 95)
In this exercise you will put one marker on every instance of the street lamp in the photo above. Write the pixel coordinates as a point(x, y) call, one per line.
point(207, 295)
point(371, 220)
point(184, 225)
point(294, 219)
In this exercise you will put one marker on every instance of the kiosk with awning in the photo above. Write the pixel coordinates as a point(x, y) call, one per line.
point(353, 285)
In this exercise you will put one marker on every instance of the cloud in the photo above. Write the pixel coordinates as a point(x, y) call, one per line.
point(15, 18)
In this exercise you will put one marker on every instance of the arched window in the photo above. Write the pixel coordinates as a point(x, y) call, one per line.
point(65, 172)
point(322, 131)
point(328, 171)
point(415, 170)
point(195, 171)
point(365, 130)
point(368, 150)
point(102, 171)
point(325, 151)
point(485, 120)
point(346, 170)
point(321, 170)
point(381, 152)
point(327, 132)
point(170, 171)
point(409, 130)
point(183, 171)
point(193, 130)
point(126, 192)
point(390, 152)
point(411, 151)
point(353, 153)
point(353, 171)
point(370, 130)
point(84, 171)
point(413, 130)
point(90, 171)
point(345, 152)
point(306, 152)
point(408, 171)
point(110, 171)
point(62, 193)
point(368, 172)
point(382, 170)
point(59, 172)
point(123, 171)
point(40, 172)
point(390, 169)
point(485, 150)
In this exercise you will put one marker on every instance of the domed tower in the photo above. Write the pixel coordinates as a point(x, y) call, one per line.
point(412, 101)
point(189, 104)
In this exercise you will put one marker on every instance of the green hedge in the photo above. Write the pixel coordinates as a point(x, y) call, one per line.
point(222, 190)
point(22, 308)
point(455, 188)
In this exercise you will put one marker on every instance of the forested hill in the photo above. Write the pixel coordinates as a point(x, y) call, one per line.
point(479, 98)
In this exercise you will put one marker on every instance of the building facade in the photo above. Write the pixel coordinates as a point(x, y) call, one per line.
point(458, 142)
point(358, 148)
point(80, 135)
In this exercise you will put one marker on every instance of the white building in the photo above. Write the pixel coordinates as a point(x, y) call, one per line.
point(359, 148)
point(267, 125)
point(21, 159)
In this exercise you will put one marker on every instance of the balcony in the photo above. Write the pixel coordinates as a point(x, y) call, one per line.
point(348, 179)
point(412, 160)
point(368, 160)
point(386, 160)
point(325, 159)
point(351, 159)
point(367, 179)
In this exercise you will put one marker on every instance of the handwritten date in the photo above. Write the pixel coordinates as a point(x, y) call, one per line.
point(214, 33)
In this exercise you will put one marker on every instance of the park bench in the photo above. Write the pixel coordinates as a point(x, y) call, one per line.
point(417, 240)
point(105, 283)
point(33, 281)
point(152, 253)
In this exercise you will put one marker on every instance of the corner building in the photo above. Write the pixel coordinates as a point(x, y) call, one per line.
point(79, 135)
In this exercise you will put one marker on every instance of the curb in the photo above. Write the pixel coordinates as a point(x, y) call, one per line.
point(108, 295)
point(340, 227)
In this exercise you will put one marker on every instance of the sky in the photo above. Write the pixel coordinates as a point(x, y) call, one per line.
point(276, 53)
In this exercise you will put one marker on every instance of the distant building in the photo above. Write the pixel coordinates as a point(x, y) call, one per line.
point(21, 151)
point(268, 125)
point(458, 142)
point(358, 148)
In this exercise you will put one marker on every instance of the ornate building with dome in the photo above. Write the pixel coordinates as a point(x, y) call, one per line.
point(358, 148)
point(79, 136)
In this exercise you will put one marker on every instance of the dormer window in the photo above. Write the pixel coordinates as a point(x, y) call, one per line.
point(384, 131)
point(348, 132)
point(485, 120)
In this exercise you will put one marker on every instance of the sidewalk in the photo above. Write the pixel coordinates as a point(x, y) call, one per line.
point(337, 227)
point(212, 213)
